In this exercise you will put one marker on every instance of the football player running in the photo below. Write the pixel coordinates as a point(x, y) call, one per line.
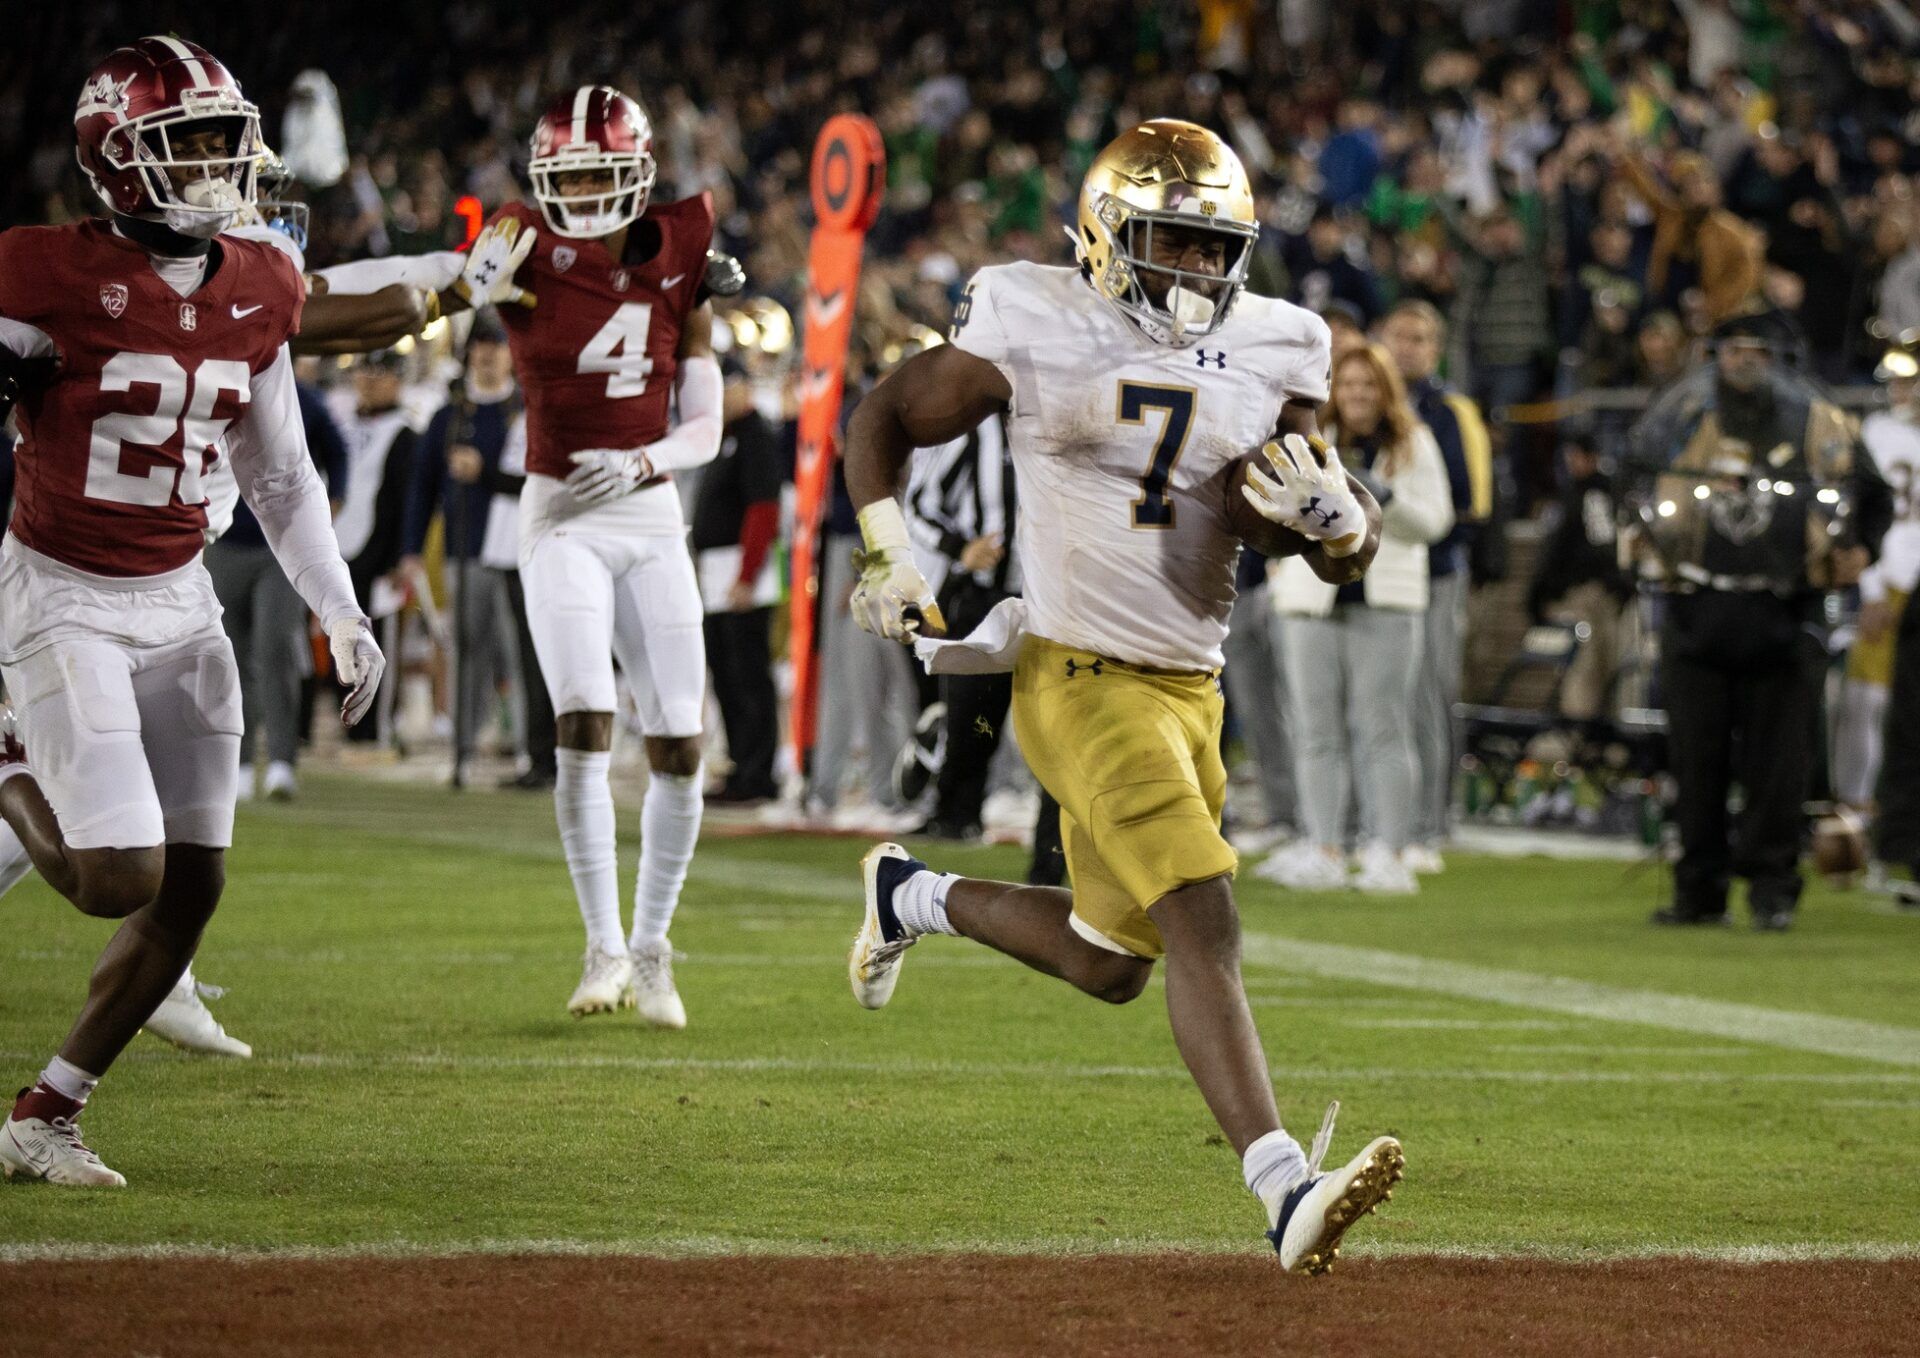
point(139, 347)
point(1131, 384)
point(602, 293)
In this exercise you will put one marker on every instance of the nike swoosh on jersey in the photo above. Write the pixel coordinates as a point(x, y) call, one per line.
point(667, 283)
point(241, 313)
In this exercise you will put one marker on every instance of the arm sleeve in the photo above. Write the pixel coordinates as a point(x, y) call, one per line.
point(362, 276)
point(270, 461)
point(1312, 376)
point(1421, 509)
point(695, 440)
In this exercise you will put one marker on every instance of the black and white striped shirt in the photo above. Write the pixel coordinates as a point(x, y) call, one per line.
point(958, 492)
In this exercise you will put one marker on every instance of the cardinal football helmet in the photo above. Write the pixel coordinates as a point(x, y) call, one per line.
point(1165, 173)
point(594, 128)
point(142, 100)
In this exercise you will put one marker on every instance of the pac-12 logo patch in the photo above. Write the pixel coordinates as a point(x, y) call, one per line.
point(113, 296)
point(189, 318)
point(563, 257)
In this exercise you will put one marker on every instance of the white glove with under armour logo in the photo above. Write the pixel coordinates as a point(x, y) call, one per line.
point(496, 256)
point(1308, 492)
point(358, 661)
point(892, 599)
point(602, 474)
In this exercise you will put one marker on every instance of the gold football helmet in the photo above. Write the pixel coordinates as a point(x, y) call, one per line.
point(1165, 173)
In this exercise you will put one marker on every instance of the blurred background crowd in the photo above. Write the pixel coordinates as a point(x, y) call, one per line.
point(1577, 191)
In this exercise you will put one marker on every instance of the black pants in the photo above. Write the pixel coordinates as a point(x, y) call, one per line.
point(539, 703)
point(1897, 831)
point(739, 654)
point(976, 712)
point(1741, 684)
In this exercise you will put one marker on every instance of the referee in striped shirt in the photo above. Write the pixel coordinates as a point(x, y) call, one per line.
point(960, 515)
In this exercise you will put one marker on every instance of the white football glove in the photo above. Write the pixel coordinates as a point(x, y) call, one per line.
point(602, 474)
point(358, 661)
point(892, 599)
point(1308, 492)
point(496, 256)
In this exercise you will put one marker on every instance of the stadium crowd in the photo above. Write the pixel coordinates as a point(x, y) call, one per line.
point(1545, 199)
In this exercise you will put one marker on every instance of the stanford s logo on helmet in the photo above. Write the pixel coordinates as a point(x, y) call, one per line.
point(595, 129)
point(133, 110)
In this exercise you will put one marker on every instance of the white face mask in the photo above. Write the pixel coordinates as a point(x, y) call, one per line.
point(213, 205)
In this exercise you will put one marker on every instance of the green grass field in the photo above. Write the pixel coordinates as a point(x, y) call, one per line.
point(1566, 1080)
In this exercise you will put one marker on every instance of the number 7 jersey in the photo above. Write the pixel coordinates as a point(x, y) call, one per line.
point(1122, 448)
point(596, 356)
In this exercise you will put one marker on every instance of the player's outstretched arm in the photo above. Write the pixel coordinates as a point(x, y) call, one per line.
point(268, 450)
point(333, 323)
point(936, 396)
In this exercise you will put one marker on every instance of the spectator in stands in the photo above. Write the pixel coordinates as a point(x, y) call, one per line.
point(455, 478)
point(1415, 334)
point(1577, 578)
point(1346, 649)
point(266, 620)
point(736, 527)
point(1255, 686)
point(1693, 228)
point(1329, 264)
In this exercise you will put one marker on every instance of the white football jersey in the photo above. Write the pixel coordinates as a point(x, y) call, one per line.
point(1121, 448)
point(1894, 441)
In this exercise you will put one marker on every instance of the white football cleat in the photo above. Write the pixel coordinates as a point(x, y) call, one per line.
point(1382, 873)
point(1301, 866)
point(653, 988)
point(873, 964)
point(51, 1149)
point(1317, 1212)
point(606, 984)
point(280, 785)
point(184, 1020)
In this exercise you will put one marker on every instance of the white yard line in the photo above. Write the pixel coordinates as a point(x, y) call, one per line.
point(991, 1070)
point(712, 1246)
point(1790, 1029)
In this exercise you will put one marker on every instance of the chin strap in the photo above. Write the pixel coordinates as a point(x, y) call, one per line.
point(157, 238)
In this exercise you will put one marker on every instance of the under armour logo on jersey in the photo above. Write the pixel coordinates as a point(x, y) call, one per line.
point(189, 318)
point(113, 296)
point(1094, 667)
point(620, 280)
point(1326, 517)
point(563, 257)
point(1218, 358)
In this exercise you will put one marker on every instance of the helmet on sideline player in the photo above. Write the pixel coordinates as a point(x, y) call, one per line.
point(595, 128)
point(1165, 173)
point(134, 112)
point(276, 205)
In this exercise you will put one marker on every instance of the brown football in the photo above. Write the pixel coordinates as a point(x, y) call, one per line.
point(1839, 846)
point(1263, 535)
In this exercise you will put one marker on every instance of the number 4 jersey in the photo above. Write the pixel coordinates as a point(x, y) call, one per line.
point(596, 357)
point(145, 384)
point(1122, 448)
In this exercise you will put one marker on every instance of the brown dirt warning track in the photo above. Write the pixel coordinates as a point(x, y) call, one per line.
point(951, 1304)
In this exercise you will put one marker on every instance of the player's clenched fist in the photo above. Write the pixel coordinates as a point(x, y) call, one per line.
point(496, 256)
point(1308, 492)
point(892, 599)
point(357, 661)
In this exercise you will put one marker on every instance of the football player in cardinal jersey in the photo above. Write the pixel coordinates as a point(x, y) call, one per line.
point(141, 345)
point(608, 328)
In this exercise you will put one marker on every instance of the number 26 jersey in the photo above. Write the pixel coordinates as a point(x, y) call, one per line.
point(1122, 448)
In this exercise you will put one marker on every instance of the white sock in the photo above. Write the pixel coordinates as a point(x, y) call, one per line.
point(669, 826)
point(583, 804)
point(920, 902)
point(14, 863)
point(1274, 1165)
point(65, 1078)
